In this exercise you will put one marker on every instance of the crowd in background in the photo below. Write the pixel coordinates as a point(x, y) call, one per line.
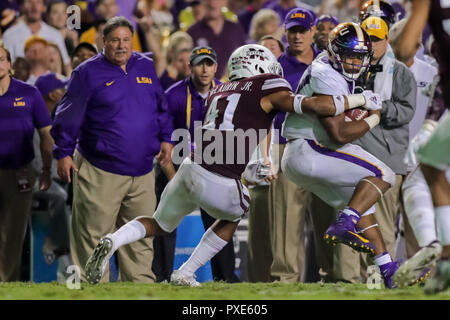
point(286, 223)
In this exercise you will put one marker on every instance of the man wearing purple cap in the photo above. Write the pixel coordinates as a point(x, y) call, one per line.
point(52, 87)
point(289, 202)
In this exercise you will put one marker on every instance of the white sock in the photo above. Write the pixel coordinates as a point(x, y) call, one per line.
point(443, 224)
point(419, 208)
point(209, 246)
point(128, 233)
point(382, 258)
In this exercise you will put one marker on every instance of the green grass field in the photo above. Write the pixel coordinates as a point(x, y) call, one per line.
point(210, 291)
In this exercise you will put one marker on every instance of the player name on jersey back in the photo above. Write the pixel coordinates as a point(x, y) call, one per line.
point(235, 124)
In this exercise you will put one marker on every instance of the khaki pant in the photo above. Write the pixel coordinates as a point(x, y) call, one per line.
point(102, 203)
point(14, 216)
point(259, 246)
point(288, 203)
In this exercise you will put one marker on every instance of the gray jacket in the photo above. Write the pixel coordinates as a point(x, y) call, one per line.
point(389, 140)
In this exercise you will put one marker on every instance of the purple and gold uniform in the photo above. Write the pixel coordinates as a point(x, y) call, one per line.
point(115, 119)
point(22, 110)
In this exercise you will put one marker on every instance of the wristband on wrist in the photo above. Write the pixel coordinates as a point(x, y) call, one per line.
point(372, 120)
point(339, 103)
point(298, 98)
point(355, 101)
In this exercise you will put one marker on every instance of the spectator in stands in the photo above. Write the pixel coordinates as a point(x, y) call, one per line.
point(245, 15)
point(343, 10)
point(153, 37)
point(21, 69)
point(105, 9)
point(16, 175)
point(57, 18)
point(36, 54)
point(273, 44)
point(177, 56)
point(159, 13)
point(219, 33)
point(300, 28)
point(265, 22)
point(120, 178)
point(15, 37)
point(324, 24)
point(9, 12)
point(191, 14)
point(99, 25)
point(54, 59)
point(82, 52)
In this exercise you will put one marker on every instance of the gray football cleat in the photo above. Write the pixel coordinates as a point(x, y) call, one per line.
point(412, 270)
point(180, 279)
point(97, 262)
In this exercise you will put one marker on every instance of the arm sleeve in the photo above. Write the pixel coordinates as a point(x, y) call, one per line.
point(327, 84)
point(41, 116)
point(165, 118)
point(274, 84)
point(69, 116)
point(400, 109)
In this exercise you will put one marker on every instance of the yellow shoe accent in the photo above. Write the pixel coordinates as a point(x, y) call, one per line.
point(361, 238)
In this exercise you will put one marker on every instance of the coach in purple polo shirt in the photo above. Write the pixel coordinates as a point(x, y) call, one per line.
point(289, 215)
point(113, 120)
point(22, 110)
point(217, 32)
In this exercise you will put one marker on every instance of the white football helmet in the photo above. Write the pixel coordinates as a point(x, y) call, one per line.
point(251, 60)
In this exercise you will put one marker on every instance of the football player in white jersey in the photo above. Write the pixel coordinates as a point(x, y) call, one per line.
point(248, 102)
point(434, 152)
point(320, 157)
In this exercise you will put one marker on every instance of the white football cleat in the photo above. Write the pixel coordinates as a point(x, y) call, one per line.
point(180, 279)
point(97, 262)
point(411, 270)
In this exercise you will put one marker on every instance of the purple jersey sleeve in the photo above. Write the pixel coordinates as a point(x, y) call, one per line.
point(69, 116)
point(41, 116)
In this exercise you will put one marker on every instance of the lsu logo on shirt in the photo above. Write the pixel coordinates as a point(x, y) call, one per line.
point(19, 102)
point(144, 80)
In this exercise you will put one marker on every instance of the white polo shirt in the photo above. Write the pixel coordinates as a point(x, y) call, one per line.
point(14, 39)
